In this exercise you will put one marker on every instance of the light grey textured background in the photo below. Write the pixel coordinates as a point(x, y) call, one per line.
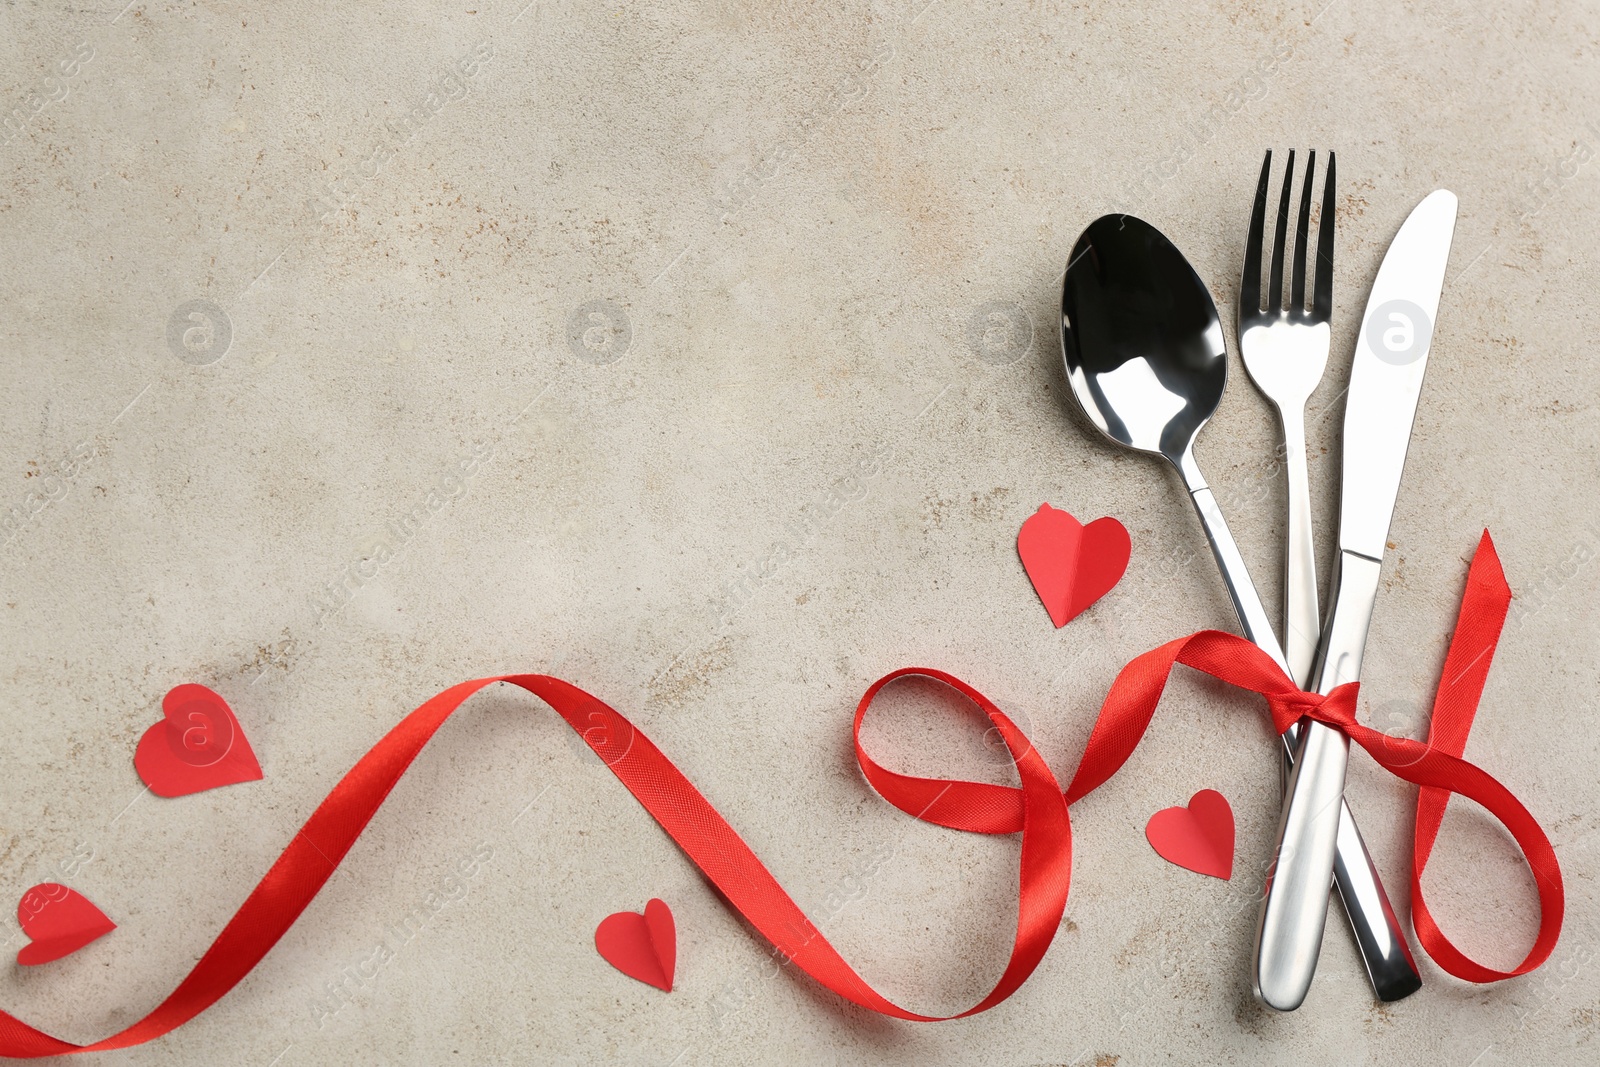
point(666, 277)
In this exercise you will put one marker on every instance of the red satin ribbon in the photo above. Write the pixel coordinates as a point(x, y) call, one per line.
point(1037, 808)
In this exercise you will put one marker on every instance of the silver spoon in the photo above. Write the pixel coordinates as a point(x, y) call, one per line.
point(1147, 364)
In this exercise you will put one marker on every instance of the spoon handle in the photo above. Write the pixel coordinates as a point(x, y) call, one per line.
point(1384, 950)
point(1253, 617)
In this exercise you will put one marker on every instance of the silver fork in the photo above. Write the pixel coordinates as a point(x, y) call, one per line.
point(1285, 349)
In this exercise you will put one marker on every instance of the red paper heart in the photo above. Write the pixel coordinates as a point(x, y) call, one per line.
point(1072, 565)
point(1199, 837)
point(641, 946)
point(59, 921)
point(199, 745)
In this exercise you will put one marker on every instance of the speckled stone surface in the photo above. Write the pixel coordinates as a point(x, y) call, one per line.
point(705, 355)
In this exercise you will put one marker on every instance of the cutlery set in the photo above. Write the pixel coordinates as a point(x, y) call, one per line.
point(1147, 364)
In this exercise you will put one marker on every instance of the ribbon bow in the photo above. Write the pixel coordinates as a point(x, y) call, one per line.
point(1337, 709)
point(1037, 808)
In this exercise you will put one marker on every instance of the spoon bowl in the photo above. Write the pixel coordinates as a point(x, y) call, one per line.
point(1142, 340)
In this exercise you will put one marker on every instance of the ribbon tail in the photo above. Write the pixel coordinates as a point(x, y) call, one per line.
point(1037, 809)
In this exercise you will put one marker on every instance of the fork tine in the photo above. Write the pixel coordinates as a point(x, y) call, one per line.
point(1275, 281)
point(1297, 295)
point(1322, 295)
point(1250, 285)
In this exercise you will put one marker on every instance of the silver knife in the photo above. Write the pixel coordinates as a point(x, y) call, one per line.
point(1385, 382)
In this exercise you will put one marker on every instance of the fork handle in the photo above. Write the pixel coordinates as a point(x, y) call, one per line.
point(1302, 620)
point(1379, 935)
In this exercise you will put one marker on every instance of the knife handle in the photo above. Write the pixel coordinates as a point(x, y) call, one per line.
point(1295, 910)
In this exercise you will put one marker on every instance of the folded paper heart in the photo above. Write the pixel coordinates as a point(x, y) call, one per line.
point(198, 745)
point(641, 946)
point(58, 921)
point(1198, 837)
point(1037, 808)
point(1072, 565)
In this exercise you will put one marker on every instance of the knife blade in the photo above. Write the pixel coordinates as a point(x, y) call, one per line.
point(1385, 385)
